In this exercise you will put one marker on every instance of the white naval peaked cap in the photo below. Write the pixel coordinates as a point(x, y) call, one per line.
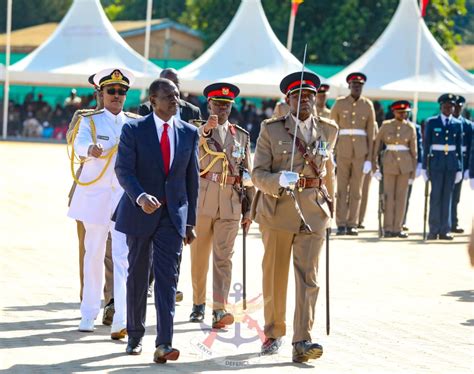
point(114, 76)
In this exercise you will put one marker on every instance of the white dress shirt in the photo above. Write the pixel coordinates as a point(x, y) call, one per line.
point(159, 129)
point(223, 130)
point(305, 127)
point(444, 118)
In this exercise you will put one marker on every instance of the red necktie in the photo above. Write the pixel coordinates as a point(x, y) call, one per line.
point(165, 148)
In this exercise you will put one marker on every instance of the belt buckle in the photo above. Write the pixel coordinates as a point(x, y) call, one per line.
point(302, 184)
point(446, 148)
point(215, 177)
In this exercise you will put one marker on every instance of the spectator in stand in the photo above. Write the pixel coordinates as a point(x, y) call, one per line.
point(31, 126)
point(73, 100)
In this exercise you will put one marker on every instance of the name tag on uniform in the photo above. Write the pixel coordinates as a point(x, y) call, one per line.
point(281, 142)
point(437, 129)
point(102, 137)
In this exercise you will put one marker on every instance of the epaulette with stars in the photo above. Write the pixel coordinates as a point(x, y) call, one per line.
point(93, 112)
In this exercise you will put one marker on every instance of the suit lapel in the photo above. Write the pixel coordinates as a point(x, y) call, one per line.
point(153, 140)
point(178, 129)
point(229, 138)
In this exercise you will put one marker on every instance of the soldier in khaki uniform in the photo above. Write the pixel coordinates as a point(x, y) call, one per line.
point(109, 310)
point(356, 118)
point(224, 153)
point(399, 166)
point(280, 223)
point(321, 99)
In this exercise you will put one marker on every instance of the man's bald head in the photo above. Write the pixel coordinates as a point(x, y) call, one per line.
point(171, 74)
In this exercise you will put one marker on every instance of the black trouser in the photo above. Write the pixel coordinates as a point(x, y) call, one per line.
point(454, 204)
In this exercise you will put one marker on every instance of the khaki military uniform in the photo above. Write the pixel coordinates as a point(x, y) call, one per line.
point(282, 109)
point(81, 230)
point(280, 224)
point(324, 112)
point(356, 120)
point(219, 210)
point(399, 165)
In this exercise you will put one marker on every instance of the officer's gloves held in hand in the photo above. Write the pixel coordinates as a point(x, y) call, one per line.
point(378, 175)
point(424, 174)
point(418, 170)
point(458, 177)
point(288, 179)
point(367, 167)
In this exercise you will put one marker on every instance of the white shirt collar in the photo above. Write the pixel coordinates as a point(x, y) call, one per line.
point(306, 123)
point(443, 118)
point(159, 122)
point(108, 113)
point(224, 126)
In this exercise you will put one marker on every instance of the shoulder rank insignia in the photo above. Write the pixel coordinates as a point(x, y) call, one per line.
point(275, 119)
point(132, 115)
point(241, 129)
point(327, 121)
point(93, 112)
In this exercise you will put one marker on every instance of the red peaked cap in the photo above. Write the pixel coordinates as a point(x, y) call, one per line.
point(292, 82)
point(221, 92)
point(401, 105)
point(356, 77)
point(323, 88)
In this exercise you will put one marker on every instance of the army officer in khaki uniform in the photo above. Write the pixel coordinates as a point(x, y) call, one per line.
point(321, 99)
point(281, 225)
point(355, 116)
point(398, 164)
point(224, 153)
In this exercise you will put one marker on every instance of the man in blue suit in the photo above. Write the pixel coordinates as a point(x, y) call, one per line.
point(442, 165)
point(157, 166)
point(466, 150)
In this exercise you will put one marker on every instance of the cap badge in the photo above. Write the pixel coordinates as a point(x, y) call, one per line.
point(225, 91)
point(117, 76)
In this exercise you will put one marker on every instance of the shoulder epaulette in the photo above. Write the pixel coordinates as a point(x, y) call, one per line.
point(327, 121)
point(275, 120)
point(387, 121)
point(132, 115)
point(241, 129)
point(92, 112)
point(197, 122)
point(83, 112)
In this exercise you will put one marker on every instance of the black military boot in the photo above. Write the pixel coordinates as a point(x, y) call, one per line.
point(305, 350)
point(197, 315)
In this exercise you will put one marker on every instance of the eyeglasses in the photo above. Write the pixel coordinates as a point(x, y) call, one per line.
point(113, 91)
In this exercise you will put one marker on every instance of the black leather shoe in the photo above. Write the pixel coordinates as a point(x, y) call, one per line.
point(197, 315)
point(405, 228)
point(270, 346)
point(432, 236)
point(457, 230)
point(360, 226)
point(341, 230)
point(134, 346)
point(402, 235)
point(150, 291)
point(179, 296)
point(305, 350)
point(446, 236)
point(352, 231)
point(388, 234)
point(165, 352)
point(109, 311)
point(221, 318)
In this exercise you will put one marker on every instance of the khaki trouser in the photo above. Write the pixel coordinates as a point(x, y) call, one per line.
point(219, 235)
point(395, 189)
point(275, 266)
point(109, 268)
point(349, 190)
point(365, 195)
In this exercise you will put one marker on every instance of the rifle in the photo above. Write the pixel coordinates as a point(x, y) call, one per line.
point(427, 194)
point(245, 207)
point(381, 209)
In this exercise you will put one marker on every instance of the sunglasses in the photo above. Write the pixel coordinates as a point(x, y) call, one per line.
point(113, 91)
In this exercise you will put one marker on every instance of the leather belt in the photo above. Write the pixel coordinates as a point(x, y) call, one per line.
point(217, 178)
point(304, 182)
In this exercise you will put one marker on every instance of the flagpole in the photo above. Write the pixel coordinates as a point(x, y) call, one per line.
point(417, 63)
point(6, 86)
point(291, 28)
point(146, 52)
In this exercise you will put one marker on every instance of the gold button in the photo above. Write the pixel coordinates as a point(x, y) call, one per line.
point(446, 138)
point(353, 113)
point(398, 127)
point(307, 162)
point(396, 143)
point(284, 151)
point(398, 158)
point(223, 150)
point(353, 104)
point(353, 122)
point(353, 139)
point(398, 135)
point(300, 189)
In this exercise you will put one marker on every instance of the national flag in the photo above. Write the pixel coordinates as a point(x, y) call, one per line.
point(294, 6)
point(423, 5)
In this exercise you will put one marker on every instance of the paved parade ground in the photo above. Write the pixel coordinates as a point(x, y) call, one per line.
point(397, 306)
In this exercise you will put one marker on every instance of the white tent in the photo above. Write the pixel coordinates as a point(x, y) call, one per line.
point(248, 54)
point(2, 72)
point(390, 63)
point(83, 43)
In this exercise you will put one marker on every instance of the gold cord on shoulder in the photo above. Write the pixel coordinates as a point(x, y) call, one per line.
point(217, 156)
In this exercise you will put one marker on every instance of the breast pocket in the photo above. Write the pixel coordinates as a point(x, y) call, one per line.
point(282, 155)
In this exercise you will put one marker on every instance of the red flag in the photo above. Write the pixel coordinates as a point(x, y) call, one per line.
point(294, 6)
point(423, 5)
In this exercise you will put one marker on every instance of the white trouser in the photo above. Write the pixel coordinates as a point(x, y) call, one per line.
point(94, 242)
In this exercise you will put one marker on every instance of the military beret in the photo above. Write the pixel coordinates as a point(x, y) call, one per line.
point(401, 105)
point(292, 82)
point(114, 76)
point(221, 92)
point(323, 88)
point(447, 98)
point(460, 100)
point(356, 77)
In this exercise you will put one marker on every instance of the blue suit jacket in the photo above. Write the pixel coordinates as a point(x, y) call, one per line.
point(139, 168)
point(437, 133)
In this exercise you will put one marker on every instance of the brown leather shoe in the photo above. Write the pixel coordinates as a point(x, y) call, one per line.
point(109, 311)
point(117, 335)
point(221, 318)
point(270, 346)
point(179, 296)
point(165, 352)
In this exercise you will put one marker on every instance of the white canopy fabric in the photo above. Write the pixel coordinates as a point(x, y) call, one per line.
point(2, 72)
point(390, 63)
point(248, 54)
point(84, 43)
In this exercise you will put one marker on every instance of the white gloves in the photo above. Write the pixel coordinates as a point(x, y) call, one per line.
point(471, 181)
point(418, 170)
point(466, 175)
point(367, 167)
point(378, 175)
point(410, 181)
point(458, 177)
point(424, 174)
point(288, 179)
